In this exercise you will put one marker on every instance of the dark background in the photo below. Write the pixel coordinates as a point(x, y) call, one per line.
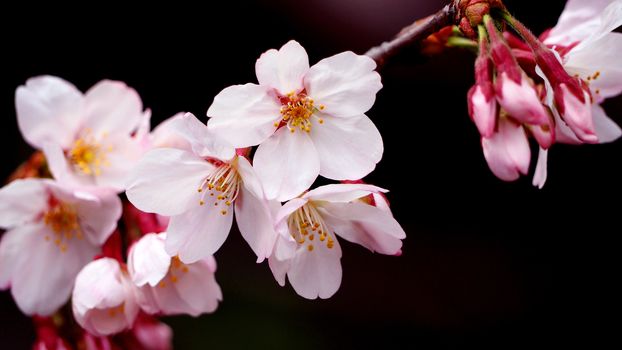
point(486, 263)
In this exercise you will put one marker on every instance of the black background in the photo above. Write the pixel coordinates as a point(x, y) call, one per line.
point(486, 263)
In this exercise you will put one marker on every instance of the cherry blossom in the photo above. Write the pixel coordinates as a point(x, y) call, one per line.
point(167, 285)
point(306, 120)
point(199, 189)
point(104, 298)
point(86, 138)
point(307, 250)
point(52, 232)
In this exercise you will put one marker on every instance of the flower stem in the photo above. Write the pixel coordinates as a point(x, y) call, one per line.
point(413, 33)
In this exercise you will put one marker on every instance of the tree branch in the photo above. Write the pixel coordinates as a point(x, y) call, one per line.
point(413, 33)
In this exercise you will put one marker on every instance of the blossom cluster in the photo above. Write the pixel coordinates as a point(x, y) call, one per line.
point(550, 88)
point(184, 181)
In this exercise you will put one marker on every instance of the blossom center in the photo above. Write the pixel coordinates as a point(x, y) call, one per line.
point(223, 185)
point(88, 156)
point(62, 218)
point(298, 111)
point(305, 224)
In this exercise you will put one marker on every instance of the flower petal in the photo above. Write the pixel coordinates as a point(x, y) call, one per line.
point(198, 287)
point(507, 151)
point(12, 246)
point(606, 129)
point(539, 177)
point(287, 164)
point(316, 272)
point(342, 192)
point(49, 264)
point(244, 115)
point(98, 216)
point(49, 109)
point(204, 143)
point(22, 201)
point(345, 84)
point(349, 149)
point(113, 108)
point(166, 180)
point(284, 69)
point(199, 232)
point(147, 261)
point(579, 19)
point(371, 227)
point(255, 222)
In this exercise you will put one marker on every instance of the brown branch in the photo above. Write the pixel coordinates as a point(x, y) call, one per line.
point(413, 33)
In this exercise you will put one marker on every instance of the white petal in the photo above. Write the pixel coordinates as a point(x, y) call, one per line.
point(98, 216)
point(121, 160)
point(371, 227)
point(50, 266)
point(579, 20)
point(600, 56)
point(244, 115)
point(606, 129)
point(198, 287)
point(60, 167)
point(166, 181)
point(250, 180)
point(255, 222)
point(204, 143)
point(12, 246)
point(349, 149)
point(147, 261)
point(112, 107)
point(539, 177)
point(49, 109)
point(346, 84)
point(287, 164)
point(284, 69)
point(288, 208)
point(316, 272)
point(342, 192)
point(199, 232)
point(279, 269)
point(22, 201)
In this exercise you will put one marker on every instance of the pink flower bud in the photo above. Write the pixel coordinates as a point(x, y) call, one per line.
point(104, 300)
point(507, 151)
point(576, 112)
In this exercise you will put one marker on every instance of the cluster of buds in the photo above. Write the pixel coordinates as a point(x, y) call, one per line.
point(526, 88)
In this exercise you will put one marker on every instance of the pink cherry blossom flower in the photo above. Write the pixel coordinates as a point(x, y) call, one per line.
point(198, 189)
point(86, 138)
point(307, 250)
point(104, 298)
point(306, 120)
point(589, 51)
point(507, 151)
point(164, 135)
point(52, 232)
point(167, 285)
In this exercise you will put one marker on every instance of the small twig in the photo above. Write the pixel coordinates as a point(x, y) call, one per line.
point(413, 33)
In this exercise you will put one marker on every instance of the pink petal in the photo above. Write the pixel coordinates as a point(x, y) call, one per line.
point(49, 109)
point(287, 164)
point(255, 222)
point(521, 101)
point(98, 217)
point(113, 108)
point(342, 192)
point(198, 287)
point(22, 201)
point(244, 115)
point(539, 177)
point(346, 84)
point(284, 69)
point(147, 261)
point(349, 149)
point(203, 143)
point(166, 181)
point(371, 227)
point(316, 273)
point(199, 232)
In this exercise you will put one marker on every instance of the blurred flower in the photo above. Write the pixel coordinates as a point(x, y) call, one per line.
point(53, 231)
point(306, 121)
point(86, 138)
point(307, 250)
point(197, 190)
point(168, 286)
point(104, 299)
